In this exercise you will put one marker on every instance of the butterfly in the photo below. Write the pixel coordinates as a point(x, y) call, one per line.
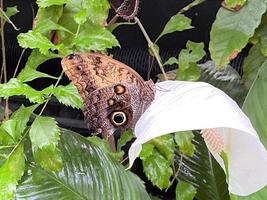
point(114, 94)
point(126, 9)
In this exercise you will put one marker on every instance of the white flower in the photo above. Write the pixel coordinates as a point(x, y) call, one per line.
point(181, 106)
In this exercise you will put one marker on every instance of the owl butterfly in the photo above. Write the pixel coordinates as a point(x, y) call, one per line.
point(114, 95)
point(126, 9)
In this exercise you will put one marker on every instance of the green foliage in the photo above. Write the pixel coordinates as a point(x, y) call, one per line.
point(88, 173)
point(11, 172)
point(231, 31)
point(68, 95)
point(184, 141)
point(178, 22)
point(232, 4)
point(127, 136)
point(185, 191)
point(157, 157)
point(47, 3)
point(203, 172)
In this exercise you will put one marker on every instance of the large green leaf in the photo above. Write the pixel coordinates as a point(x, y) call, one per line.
point(88, 173)
point(203, 172)
point(226, 79)
point(231, 30)
point(251, 65)
point(16, 87)
point(95, 38)
point(255, 106)
point(185, 191)
point(11, 172)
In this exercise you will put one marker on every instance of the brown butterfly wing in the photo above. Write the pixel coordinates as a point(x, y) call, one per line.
point(126, 9)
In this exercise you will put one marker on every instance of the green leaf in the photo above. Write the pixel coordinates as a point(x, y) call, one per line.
point(105, 147)
point(203, 172)
point(165, 146)
point(95, 38)
point(36, 58)
point(81, 17)
point(88, 173)
point(15, 87)
point(5, 138)
point(11, 172)
point(147, 150)
point(68, 95)
point(231, 31)
point(29, 74)
point(33, 40)
point(156, 166)
point(10, 127)
point(126, 136)
point(184, 141)
point(44, 132)
point(188, 69)
point(178, 22)
point(22, 116)
point(49, 158)
point(251, 65)
point(47, 3)
point(255, 108)
point(226, 79)
point(48, 25)
point(255, 105)
point(185, 191)
point(11, 11)
point(171, 61)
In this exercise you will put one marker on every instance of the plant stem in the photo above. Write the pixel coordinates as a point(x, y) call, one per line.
point(16, 69)
point(4, 70)
point(191, 5)
point(7, 18)
point(49, 96)
point(152, 47)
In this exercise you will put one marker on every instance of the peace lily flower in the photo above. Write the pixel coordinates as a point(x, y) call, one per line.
point(182, 106)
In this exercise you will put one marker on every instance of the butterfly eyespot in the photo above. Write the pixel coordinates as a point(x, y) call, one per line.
point(119, 89)
point(118, 118)
point(78, 68)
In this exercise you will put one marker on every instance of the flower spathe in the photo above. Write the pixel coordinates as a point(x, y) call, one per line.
point(181, 106)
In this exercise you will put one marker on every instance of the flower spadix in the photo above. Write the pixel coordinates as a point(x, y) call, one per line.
point(180, 106)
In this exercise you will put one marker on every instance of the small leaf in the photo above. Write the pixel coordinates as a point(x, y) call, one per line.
point(5, 138)
point(49, 158)
point(44, 132)
point(36, 58)
point(16, 87)
point(185, 191)
point(165, 146)
point(184, 141)
point(22, 116)
point(29, 74)
point(48, 25)
point(188, 69)
point(95, 38)
point(68, 95)
point(11, 172)
point(231, 30)
point(126, 136)
point(33, 40)
point(10, 127)
point(156, 166)
point(171, 61)
point(178, 22)
point(97, 10)
point(147, 150)
point(154, 50)
point(47, 3)
point(10, 11)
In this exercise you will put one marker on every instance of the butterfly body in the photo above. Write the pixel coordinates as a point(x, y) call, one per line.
point(114, 95)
